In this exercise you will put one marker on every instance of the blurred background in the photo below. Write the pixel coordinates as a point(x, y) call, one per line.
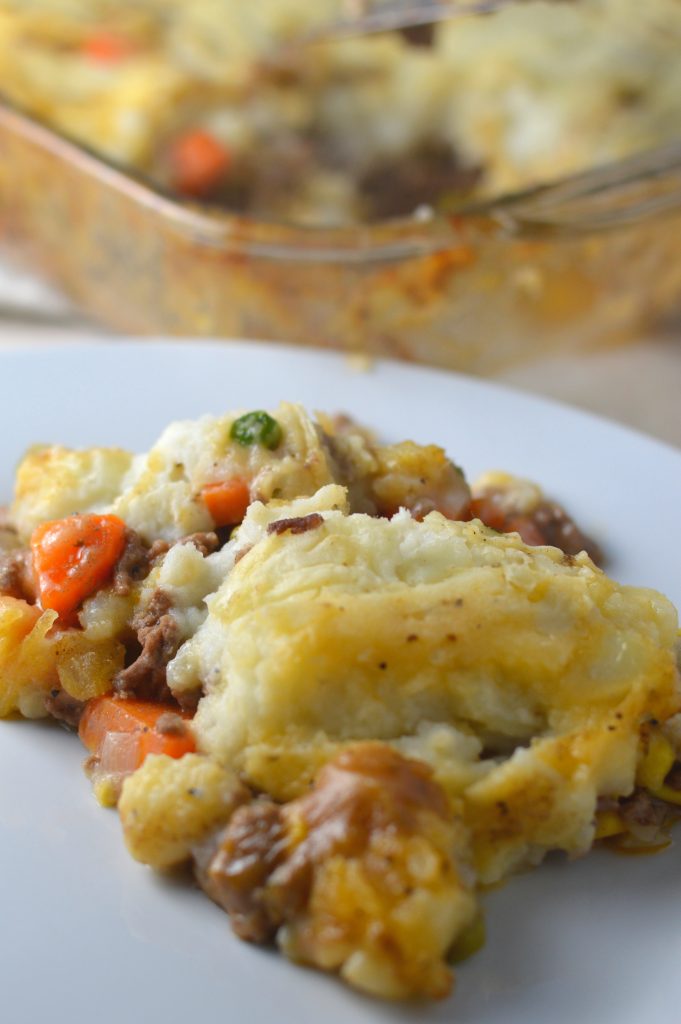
point(496, 194)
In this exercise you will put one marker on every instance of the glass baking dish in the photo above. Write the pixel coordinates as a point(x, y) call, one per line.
point(593, 259)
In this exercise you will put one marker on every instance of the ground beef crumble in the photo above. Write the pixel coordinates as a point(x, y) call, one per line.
point(297, 524)
point(560, 530)
point(673, 779)
point(645, 811)
point(205, 543)
point(234, 867)
point(137, 559)
point(170, 724)
point(133, 566)
point(262, 876)
point(16, 575)
point(16, 568)
point(159, 637)
point(65, 708)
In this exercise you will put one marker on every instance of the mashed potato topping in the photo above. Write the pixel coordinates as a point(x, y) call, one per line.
point(157, 493)
point(366, 628)
point(302, 661)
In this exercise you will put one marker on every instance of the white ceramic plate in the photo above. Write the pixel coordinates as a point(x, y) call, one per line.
point(87, 935)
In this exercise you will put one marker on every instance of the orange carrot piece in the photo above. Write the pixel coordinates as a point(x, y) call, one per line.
point(116, 714)
point(493, 515)
point(106, 47)
point(74, 557)
point(489, 512)
point(121, 733)
point(227, 501)
point(528, 530)
point(199, 162)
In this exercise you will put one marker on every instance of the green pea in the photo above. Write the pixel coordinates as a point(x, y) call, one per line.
point(257, 428)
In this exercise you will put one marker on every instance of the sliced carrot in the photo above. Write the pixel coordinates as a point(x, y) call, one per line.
point(227, 501)
point(114, 714)
point(489, 512)
point(492, 514)
point(74, 557)
point(199, 162)
point(106, 47)
point(122, 733)
point(528, 530)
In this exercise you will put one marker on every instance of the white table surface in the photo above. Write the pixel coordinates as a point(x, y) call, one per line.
point(638, 384)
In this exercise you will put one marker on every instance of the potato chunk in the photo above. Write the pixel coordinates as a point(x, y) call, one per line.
point(87, 668)
point(27, 658)
point(169, 805)
point(53, 482)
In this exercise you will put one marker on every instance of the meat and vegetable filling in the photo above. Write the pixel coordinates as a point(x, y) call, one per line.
point(345, 685)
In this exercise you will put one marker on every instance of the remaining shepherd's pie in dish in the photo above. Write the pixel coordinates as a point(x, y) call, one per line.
point(347, 687)
point(204, 97)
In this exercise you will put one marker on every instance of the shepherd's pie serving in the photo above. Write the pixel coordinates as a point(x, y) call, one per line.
point(344, 685)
